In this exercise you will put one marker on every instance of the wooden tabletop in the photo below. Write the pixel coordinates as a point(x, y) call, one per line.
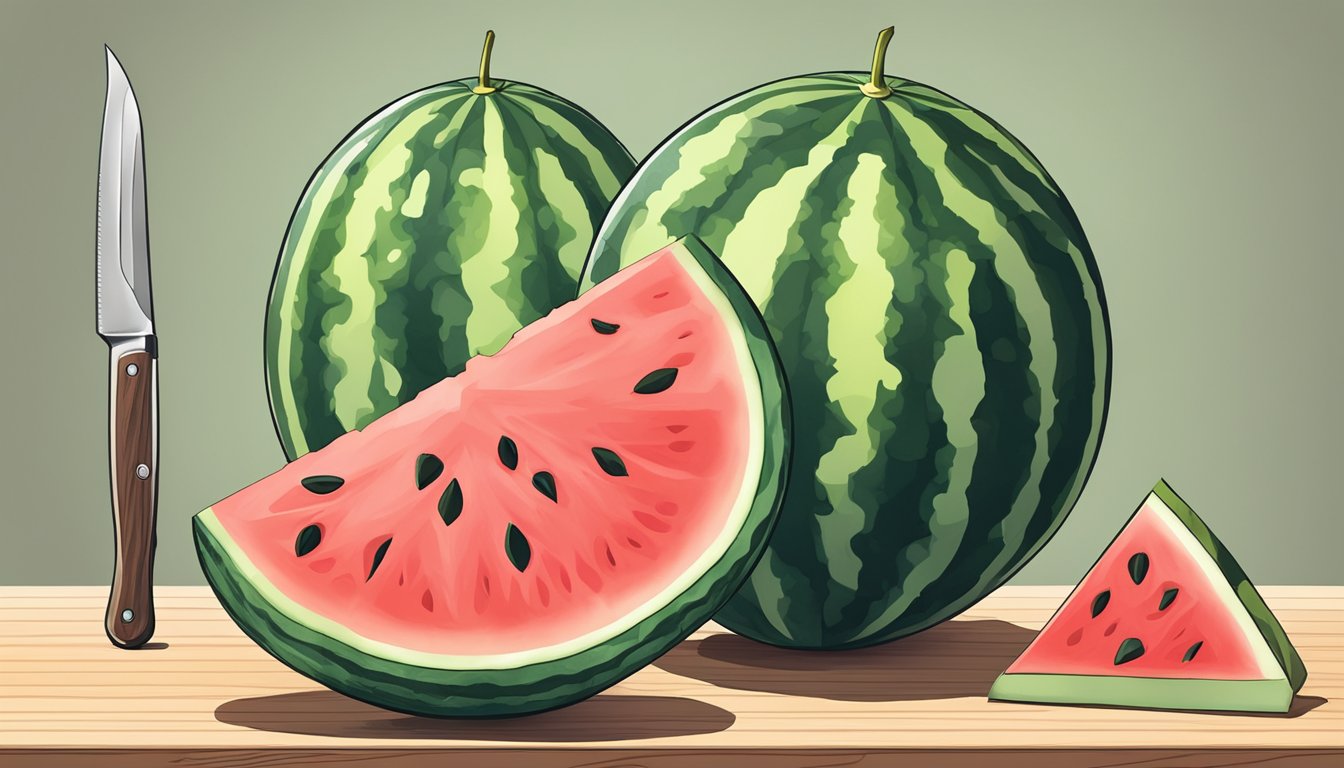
point(203, 694)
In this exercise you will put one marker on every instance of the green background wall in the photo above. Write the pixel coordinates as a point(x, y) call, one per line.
point(1198, 141)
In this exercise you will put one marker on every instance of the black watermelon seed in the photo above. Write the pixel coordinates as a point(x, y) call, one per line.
point(543, 482)
point(378, 557)
point(1194, 649)
point(307, 540)
point(428, 467)
point(610, 462)
point(1130, 649)
point(517, 548)
point(508, 453)
point(1138, 567)
point(450, 503)
point(322, 484)
point(656, 382)
point(606, 329)
point(1099, 602)
point(1167, 598)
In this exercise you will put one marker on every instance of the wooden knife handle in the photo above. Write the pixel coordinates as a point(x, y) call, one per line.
point(135, 480)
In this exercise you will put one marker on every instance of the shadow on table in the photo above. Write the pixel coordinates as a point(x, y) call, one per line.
point(1301, 705)
point(605, 717)
point(953, 660)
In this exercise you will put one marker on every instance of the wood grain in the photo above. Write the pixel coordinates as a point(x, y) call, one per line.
point(205, 695)
point(134, 426)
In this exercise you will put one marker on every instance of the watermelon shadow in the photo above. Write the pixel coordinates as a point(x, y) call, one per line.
point(952, 660)
point(604, 717)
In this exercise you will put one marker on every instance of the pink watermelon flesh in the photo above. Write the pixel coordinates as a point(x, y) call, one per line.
point(527, 552)
point(1193, 636)
point(1165, 619)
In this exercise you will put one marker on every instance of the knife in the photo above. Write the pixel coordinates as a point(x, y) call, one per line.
point(126, 323)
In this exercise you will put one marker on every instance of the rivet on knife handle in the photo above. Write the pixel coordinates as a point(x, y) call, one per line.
point(130, 607)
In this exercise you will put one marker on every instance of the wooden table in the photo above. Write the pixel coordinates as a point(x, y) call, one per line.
point(202, 694)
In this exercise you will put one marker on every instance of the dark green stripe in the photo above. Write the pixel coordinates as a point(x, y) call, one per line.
point(911, 467)
point(797, 316)
point(542, 277)
point(713, 218)
point(546, 277)
point(614, 154)
point(1004, 421)
point(1045, 237)
point(573, 160)
point(426, 319)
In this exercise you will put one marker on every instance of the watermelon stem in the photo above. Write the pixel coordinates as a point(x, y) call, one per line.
point(877, 86)
point(485, 86)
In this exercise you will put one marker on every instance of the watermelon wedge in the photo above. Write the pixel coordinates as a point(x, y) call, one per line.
point(532, 530)
point(1166, 619)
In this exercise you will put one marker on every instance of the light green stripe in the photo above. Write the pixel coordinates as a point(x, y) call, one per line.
point(381, 193)
point(958, 386)
point(561, 204)
point(985, 129)
point(565, 130)
point(413, 207)
point(857, 338)
point(459, 103)
point(286, 314)
point(1016, 270)
point(710, 153)
point(486, 270)
point(750, 249)
point(573, 235)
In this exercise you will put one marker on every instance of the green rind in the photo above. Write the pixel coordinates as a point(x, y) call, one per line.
point(1145, 692)
point(514, 185)
point(1270, 629)
point(540, 686)
point(917, 487)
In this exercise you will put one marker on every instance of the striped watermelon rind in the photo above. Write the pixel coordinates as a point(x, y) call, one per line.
point(407, 681)
point(441, 225)
point(1281, 670)
point(941, 320)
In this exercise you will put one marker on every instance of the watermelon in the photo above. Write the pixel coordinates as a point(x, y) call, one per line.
point(1166, 619)
point(532, 530)
point(441, 225)
point(941, 322)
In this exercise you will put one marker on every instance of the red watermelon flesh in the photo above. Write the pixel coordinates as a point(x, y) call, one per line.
point(1164, 619)
point(585, 470)
point(1192, 636)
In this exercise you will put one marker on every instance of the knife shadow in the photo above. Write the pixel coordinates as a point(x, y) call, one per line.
point(605, 717)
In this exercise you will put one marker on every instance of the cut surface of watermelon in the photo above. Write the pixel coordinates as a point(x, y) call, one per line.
point(530, 531)
point(1166, 619)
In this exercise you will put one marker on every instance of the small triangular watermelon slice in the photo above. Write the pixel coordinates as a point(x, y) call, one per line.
point(536, 528)
point(1166, 619)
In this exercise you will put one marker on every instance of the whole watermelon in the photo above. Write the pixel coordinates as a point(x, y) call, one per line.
point(940, 319)
point(440, 226)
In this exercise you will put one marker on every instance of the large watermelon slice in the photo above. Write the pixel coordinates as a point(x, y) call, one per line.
point(529, 532)
point(1166, 619)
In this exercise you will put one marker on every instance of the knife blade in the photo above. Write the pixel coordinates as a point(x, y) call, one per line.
point(126, 322)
